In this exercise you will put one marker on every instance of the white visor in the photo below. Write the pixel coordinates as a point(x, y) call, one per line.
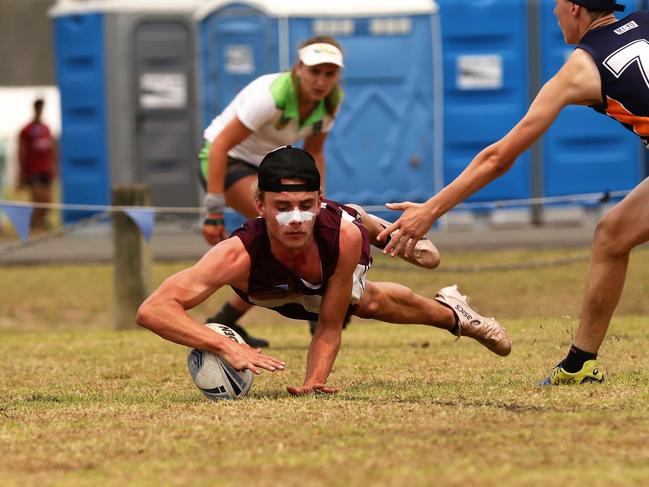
point(321, 53)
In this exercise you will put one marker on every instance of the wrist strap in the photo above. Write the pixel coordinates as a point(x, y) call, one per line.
point(213, 221)
point(214, 202)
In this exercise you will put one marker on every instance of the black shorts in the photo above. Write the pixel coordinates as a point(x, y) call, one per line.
point(237, 169)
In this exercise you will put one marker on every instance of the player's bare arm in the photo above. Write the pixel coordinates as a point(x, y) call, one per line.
point(327, 337)
point(314, 145)
point(234, 133)
point(165, 311)
point(576, 83)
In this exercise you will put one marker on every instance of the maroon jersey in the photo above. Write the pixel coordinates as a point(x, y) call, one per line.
point(273, 286)
point(38, 146)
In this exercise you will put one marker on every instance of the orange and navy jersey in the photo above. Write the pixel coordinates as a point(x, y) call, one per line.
point(621, 52)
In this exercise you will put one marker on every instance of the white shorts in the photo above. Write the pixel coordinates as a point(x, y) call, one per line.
point(358, 284)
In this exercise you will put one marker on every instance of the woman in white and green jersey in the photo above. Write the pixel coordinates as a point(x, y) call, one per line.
point(272, 111)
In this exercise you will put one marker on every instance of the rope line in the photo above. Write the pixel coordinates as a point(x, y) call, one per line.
point(60, 232)
point(589, 198)
point(381, 263)
point(166, 214)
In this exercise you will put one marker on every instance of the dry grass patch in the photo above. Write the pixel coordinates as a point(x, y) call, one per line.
point(81, 404)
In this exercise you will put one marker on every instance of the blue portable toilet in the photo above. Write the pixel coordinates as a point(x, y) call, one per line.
point(583, 151)
point(126, 75)
point(486, 86)
point(386, 142)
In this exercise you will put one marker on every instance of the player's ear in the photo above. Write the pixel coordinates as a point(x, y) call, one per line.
point(259, 206)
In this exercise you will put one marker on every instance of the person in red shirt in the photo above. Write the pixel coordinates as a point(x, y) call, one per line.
point(37, 159)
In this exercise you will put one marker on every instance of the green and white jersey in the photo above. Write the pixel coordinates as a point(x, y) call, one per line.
point(269, 107)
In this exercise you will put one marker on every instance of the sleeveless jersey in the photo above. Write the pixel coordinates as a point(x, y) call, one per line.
point(273, 286)
point(621, 52)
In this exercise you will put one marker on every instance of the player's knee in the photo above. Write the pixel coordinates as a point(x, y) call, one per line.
point(368, 309)
point(372, 308)
point(370, 303)
point(610, 237)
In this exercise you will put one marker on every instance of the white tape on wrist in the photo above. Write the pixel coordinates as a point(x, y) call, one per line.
point(214, 202)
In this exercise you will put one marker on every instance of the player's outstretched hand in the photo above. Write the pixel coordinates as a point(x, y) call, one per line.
point(242, 356)
point(309, 389)
point(411, 226)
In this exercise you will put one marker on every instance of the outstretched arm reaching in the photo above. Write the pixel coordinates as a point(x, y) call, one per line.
point(577, 83)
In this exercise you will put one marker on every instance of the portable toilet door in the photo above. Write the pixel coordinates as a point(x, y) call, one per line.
point(583, 151)
point(126, 72)
point(165, 127)
point(83, 153)
point(386, 142)
point(486, 86)
point(382, 146)
point(238, 43)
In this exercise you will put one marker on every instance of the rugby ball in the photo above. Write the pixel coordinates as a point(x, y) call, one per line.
point(215, 377)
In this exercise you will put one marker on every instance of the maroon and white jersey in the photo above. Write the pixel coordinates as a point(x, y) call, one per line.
point(273, 286)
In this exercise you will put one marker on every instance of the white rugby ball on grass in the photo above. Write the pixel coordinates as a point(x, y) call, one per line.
point(215, 377)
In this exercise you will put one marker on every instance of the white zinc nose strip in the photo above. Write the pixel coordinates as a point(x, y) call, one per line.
point(286, 217)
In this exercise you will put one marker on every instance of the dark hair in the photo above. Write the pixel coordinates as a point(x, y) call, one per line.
point(333, 99)
point(597, 14)
point(38, 103)
point(600, 8)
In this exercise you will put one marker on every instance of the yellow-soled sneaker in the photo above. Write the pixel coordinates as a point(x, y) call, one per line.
point(588, 373)
point(487, 331)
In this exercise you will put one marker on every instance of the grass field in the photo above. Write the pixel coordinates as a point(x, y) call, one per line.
point(81, 404)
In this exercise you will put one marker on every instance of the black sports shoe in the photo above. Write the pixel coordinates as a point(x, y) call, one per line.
point(254, 342)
